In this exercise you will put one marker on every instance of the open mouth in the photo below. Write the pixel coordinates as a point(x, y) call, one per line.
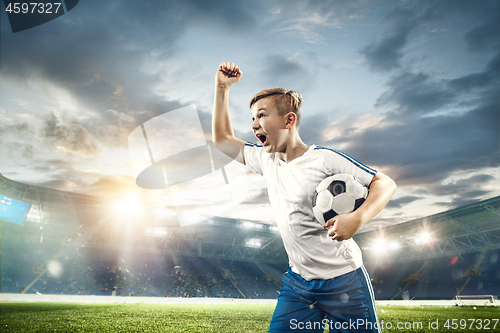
point(261, 137)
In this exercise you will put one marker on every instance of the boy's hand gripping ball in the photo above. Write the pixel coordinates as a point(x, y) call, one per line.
point(337, 194)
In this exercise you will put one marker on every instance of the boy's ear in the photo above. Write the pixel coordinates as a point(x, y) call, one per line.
point(291, 118)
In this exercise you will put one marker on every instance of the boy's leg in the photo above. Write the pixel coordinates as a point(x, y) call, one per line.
point(296, 311)
point(349, 303)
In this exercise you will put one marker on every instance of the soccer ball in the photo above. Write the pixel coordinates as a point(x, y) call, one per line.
point(337, 194)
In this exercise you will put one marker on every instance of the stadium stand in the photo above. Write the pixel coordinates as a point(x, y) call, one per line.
point(78, 245)
point(440, 278)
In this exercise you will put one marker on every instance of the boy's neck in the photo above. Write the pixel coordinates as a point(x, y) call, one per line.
point(293, 150)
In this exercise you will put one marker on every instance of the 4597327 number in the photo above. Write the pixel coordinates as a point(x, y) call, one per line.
point(33, 7)
point(462, 324)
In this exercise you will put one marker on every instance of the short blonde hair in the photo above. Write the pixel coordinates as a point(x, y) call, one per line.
point(284, 99)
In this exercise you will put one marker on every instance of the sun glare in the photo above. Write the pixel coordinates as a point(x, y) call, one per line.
point(128, 207)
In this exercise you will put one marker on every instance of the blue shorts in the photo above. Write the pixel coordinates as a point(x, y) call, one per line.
point(345, 303)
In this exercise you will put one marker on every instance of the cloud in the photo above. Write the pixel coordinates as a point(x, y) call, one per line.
point(231, 15)
point(410, 20)
point(102, 61)
point(16, 140)
point(69, 179)
point(386, 53)
point(18, 150)
point(310, 124)
point(484, 37)
point(96, 57)
point(71, 138)
point(51, 165)
point(478, 80)
point(416, 93)
point(307, 20)
point(400, 202)
point(102, 75)
point(463, 191)
point(426, 150)
point(281, 71)
point(123, 118)
point(418, 147)
point(16, 128)
point(466, 185)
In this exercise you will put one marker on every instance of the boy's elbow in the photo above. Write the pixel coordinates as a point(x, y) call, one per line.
point(389, 184)
point(394, 186)
point(220, 138)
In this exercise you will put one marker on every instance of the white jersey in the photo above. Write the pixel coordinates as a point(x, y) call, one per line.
point(311, 252)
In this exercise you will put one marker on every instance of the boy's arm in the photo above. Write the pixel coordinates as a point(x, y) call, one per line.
point(344, 226)
point(222, 128)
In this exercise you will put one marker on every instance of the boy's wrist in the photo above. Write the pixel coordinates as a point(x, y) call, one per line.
point(222, 86)
point(360, 217)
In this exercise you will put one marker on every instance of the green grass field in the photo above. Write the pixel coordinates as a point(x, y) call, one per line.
point(102, 318)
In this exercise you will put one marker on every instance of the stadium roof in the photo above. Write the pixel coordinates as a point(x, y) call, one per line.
point(56, 217)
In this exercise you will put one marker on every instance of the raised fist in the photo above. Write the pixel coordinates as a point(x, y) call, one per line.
point(227, 74)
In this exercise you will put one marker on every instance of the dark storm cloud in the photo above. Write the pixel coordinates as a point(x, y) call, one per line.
point(71, 138)
point(428, 149)
point(96, 51)
point(465, 197)
point(478, 80)
point(234, 15)
point(400, 202)
point(385, 53)
point(422, 149)
point(281, 71)
point(420, 93)
point(468, 185)
point(484, 37)
point(416, 93)
point(310, 124)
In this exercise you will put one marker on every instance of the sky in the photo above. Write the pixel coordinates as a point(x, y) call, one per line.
point(410, 88)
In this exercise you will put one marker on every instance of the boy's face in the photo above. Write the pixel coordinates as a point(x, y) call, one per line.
point(268, 126)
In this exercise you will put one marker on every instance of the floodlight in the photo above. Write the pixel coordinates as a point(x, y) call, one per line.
point(34, 215)
point(54, 268)
point(248, 225)
point(164, 212)
point(156, 231)
point(379, 245)
point(394, 245)
point(253, 242)
point(423, 238)
point(274, 228)
point(252, 225)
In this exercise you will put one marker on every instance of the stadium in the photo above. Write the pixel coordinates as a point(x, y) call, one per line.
point(81, 250)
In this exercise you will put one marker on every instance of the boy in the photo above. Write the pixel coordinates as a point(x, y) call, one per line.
point(326, 284)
